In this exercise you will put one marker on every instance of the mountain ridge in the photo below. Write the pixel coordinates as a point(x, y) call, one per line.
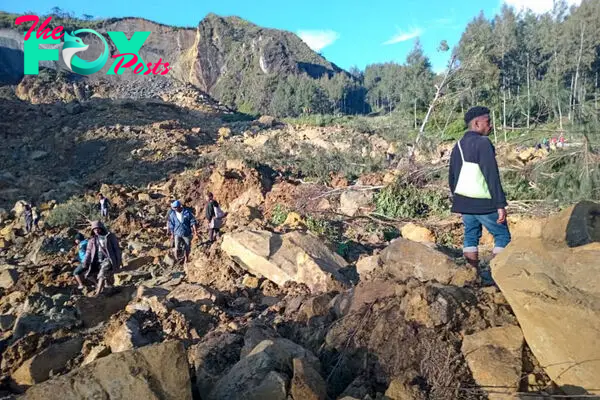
point(224, 56)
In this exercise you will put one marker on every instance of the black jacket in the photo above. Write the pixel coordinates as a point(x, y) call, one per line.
point(209, 211)
point(479, 149)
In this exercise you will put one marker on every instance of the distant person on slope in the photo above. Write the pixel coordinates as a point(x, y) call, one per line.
point(35, 215)
point(104, 205)
point(390, 153)
point(81, 243)
point(28, 215)
point(181, 225)
point(474, 181)
point(102, 251)
point(214, 216)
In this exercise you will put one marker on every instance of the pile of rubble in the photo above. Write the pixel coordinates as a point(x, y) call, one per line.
point(263, 314)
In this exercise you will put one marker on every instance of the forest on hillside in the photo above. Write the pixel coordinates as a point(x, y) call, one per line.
point(530, 69)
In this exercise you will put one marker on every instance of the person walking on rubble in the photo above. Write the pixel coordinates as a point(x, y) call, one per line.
point(28, 216)
point(474, 181)
point(102, 254)
point(214, 216)
point(81, 243)
point(104, 205)
point(181, 225)
point(35, 215)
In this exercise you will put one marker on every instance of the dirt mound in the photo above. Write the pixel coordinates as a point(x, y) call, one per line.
point(299, 197)
point(213, 269)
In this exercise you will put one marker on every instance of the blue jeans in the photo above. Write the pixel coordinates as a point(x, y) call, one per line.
point(473, 230)
point(79, 270)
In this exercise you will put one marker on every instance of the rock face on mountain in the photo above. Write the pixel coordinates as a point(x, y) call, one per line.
point(225, 57)
point(225, 47)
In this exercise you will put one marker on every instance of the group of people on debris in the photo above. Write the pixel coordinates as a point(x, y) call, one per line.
point(474, 181)
point(100, 254)
point(552, 144)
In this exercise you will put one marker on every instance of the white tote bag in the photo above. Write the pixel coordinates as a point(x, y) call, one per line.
point(471, 182)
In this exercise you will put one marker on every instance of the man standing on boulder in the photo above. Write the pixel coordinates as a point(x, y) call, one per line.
point(181, 225)
point(475, 184)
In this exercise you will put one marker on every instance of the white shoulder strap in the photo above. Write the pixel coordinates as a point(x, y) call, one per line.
point(461, 152)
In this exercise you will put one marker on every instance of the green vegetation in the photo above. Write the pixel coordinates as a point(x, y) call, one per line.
point(390, 233)
point(279, 215)
point(403, 200)
point(564, 177)
point(59, 17)
point(307, 161)
point(323, 227)
point(530, 69)
point(75, 213)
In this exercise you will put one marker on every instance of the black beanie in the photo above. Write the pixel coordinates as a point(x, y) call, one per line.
point(475, 112)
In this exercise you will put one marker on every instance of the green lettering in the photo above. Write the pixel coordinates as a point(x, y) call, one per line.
point(33, 54)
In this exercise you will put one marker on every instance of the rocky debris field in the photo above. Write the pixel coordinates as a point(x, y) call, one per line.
point(273, 312)
point(307, 294)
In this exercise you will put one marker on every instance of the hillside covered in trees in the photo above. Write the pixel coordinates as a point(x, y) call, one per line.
point(529, 68)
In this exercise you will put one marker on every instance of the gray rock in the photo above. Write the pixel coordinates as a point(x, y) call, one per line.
point(250, 373)
point(6, 322)
point(214, 357)
point(272, 388)
point(126, 337)
point(44, 314)
point(38, 155)
point(73, 108)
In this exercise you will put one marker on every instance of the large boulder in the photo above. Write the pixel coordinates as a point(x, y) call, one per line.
point(193, 293)
point(155, 372)
point(307, 384)
point(45, 247)
point(352, 201)
point(495, 359)
point(213, 357)
point(404, 259)
point(249, 378)
point(294, 256)
point(554, 291)
point(37, 369)
point(125, 336)
point(94, 310)
point(44, 314)
point(575, 226)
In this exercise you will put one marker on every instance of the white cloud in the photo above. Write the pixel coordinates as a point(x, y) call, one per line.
point(318, 39)
point(537, 6)
point(404, 36)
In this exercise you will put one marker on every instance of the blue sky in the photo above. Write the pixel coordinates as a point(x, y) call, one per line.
point(348, 33)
